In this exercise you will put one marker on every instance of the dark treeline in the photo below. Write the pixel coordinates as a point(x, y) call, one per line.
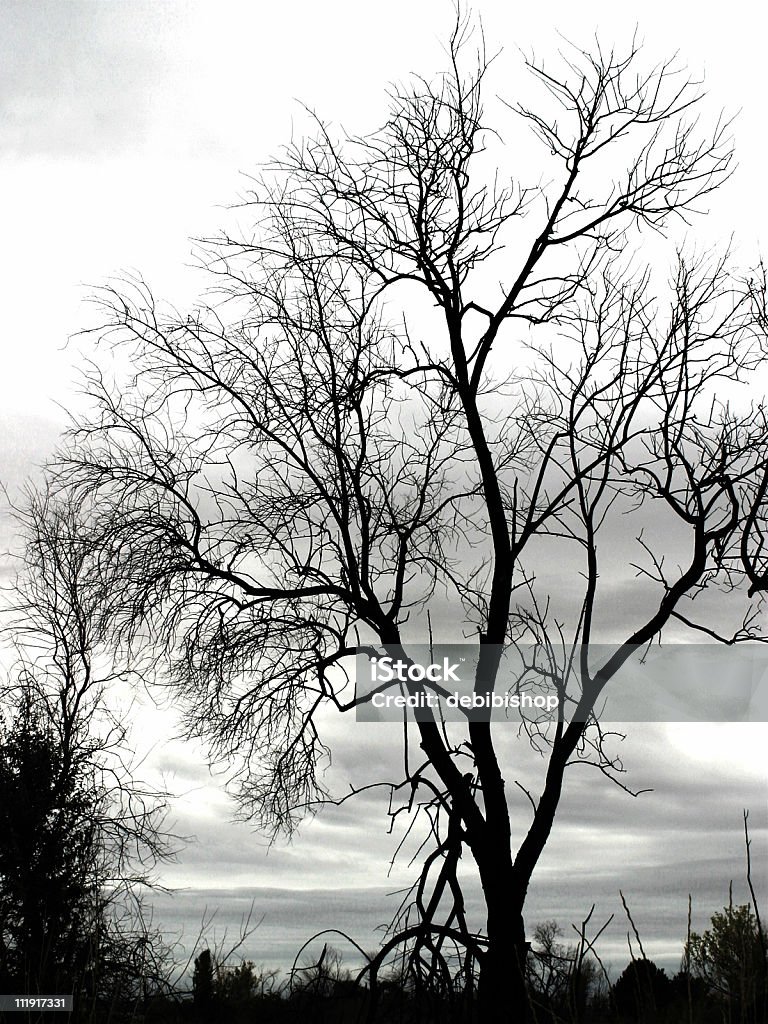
point(722, 980)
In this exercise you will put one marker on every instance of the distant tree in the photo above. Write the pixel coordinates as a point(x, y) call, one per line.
point(221, 988)
point(549, 963)
point(240, 983)
point(561, 979)
point(426, 380)
point(51, 904)
point(79, 835)
point(642, 991)
point(203, 983)
point(730, 958)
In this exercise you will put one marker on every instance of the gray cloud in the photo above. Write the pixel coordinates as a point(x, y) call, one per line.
point(76, 78)
point(684, 837)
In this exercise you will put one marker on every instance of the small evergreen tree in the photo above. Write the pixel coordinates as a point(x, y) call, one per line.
point(202, 981)
point(51, 907)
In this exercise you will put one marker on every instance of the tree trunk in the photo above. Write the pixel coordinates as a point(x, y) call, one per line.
point(502, 991)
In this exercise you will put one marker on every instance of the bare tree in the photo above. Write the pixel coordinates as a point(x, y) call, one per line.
point(81, 836)
point(417, 379)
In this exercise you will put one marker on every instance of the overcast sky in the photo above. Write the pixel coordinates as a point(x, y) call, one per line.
point(125, 127)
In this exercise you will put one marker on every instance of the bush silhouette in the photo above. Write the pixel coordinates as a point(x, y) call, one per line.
point(642, 991)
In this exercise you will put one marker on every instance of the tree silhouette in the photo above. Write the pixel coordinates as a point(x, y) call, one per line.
point(79, 835)
point(424, 381)
point(50, 906)
point(203, 984)
point(642, 991)
point(561, 979)
point(730, 958)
